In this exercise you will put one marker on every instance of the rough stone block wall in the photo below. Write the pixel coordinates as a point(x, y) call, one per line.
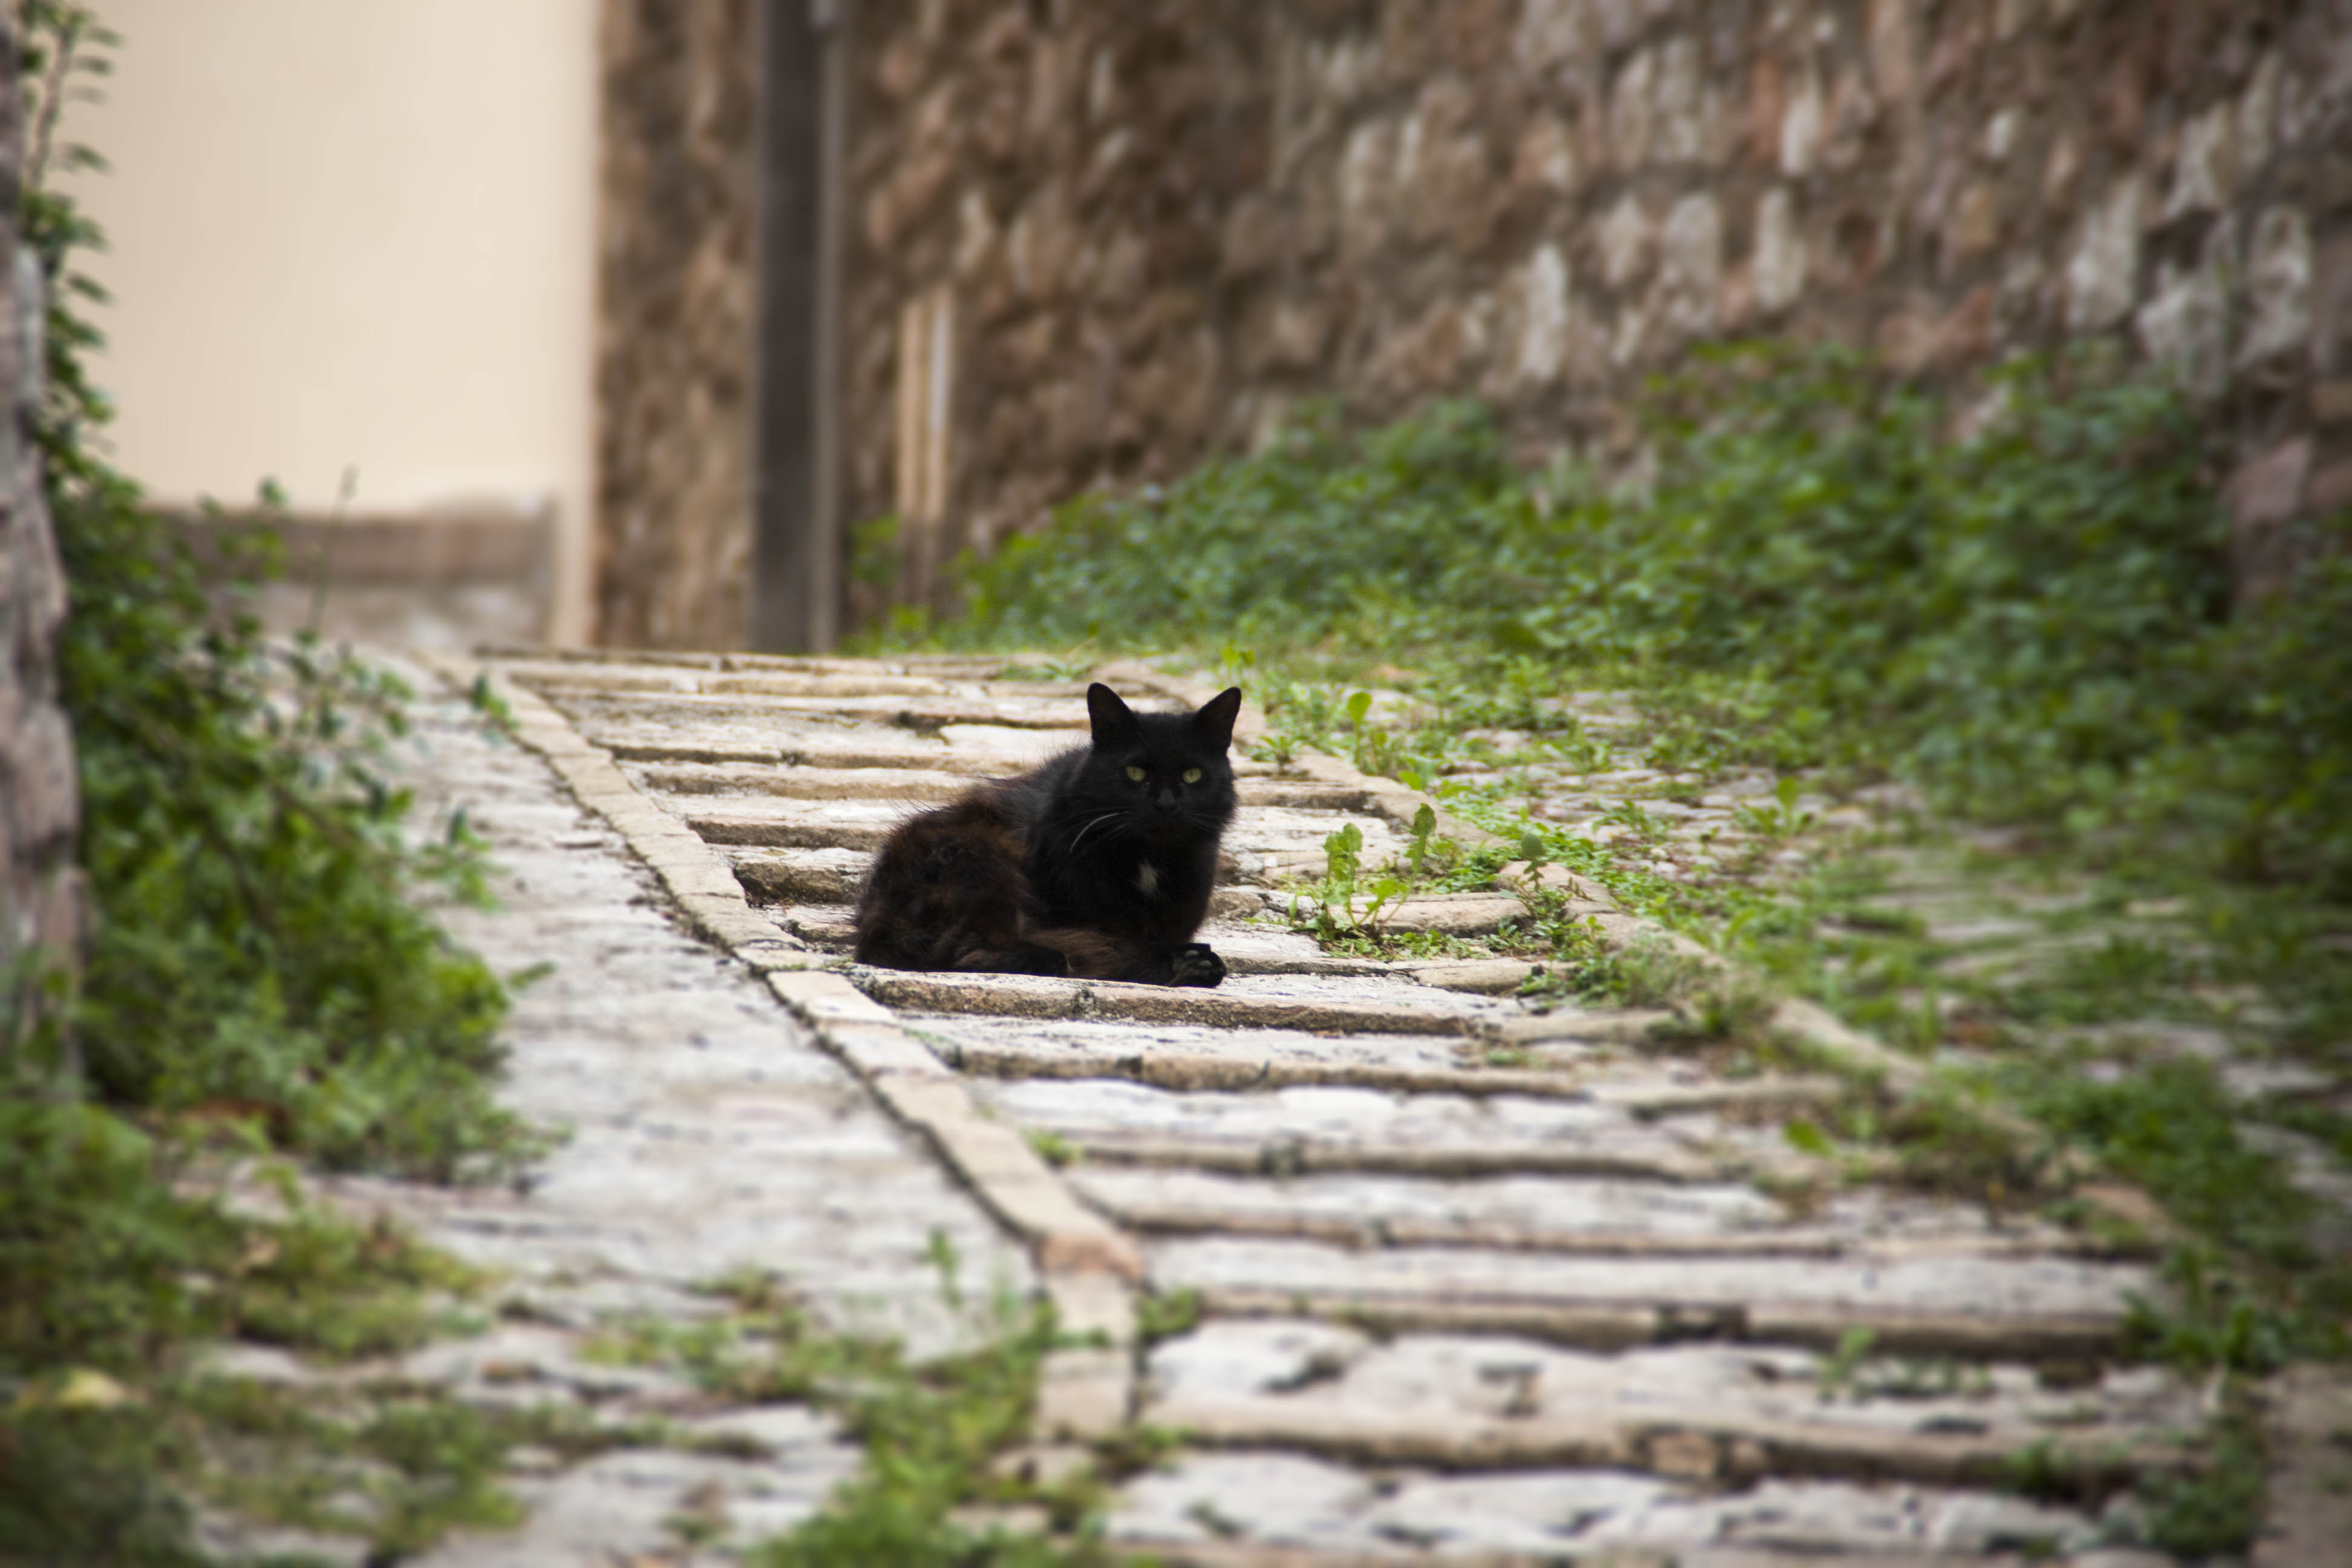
point(1161, 224)
point(1065, 173)
point(674, 344)
point(40, 806)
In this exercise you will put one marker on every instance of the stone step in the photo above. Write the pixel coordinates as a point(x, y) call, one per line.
point(808, 822)
point(1183, 1057)
point(1718, 1413)
point(972, 752)
point(2029, 1308)
point(1260, 1508)
point(912, 773)
point(1517, 1213)
point(1297, 835)
point(1336, 1005)
point(927, 786)
point(633, 678)
point(802, 876)
point(829, 925)
point(914, 713)
point(1251, 941)
point(797, 824)
point(1296, 1130)
point(941, 666)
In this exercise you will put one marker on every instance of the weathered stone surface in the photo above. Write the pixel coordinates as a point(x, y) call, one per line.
point(1582, 1515)
point(626, 1506)
point(708, 1133)
point(2046, 1306)
point(2278, 285)
point(802, 782)
point(2103, 272)
point(40, 890)
point(1504, 1403)
point(1268, 1001)
point(793, 824)
point(2309, 1510)
point(1492, 977)
point(922, 715)
point(1594, 1215)
point(1317, 1128)
point(675, 347)
point(1179, 1054)
point(803, 876)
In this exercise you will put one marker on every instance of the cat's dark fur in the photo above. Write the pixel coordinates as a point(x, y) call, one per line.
point(1075, 867)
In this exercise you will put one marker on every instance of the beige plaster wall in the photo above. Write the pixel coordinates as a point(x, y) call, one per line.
point(347, 233)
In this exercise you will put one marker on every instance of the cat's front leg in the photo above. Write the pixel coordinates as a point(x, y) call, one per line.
point(1196, 964)
point(1016, 958)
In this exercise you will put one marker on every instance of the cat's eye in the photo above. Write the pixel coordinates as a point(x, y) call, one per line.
point(1191, 775)
point(1135, 772)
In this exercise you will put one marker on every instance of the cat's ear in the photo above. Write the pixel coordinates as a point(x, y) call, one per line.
point(1214, 721)
point(1113, 721)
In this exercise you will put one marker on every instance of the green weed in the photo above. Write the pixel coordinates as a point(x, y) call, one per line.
point(262, 971)
point(1053, 1148)
point(2033, 622)
point(932, 1432)
point(1166, 1316)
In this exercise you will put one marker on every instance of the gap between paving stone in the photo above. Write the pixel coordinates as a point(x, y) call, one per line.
point(1090, 1269)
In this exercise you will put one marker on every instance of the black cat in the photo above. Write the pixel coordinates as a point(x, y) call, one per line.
point(1098, 863)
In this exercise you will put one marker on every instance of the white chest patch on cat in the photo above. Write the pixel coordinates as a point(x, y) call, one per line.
point(1147, 878)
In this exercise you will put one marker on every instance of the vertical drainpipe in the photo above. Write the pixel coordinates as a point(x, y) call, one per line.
point(826, 578)
point(795, 535)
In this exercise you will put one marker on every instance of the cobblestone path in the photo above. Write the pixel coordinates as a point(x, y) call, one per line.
point(1413, 1268)
point(708, 1134)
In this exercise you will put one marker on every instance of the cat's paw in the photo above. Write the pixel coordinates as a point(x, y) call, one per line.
point(1196, 963)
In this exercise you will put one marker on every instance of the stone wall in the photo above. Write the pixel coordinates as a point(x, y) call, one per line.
point(1134, 231)
point(40, 891)
point(674, 357)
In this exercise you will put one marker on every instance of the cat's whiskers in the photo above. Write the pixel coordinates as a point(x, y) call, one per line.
point(1090, 827)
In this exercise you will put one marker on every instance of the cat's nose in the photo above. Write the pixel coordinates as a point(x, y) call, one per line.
point(1165, 800)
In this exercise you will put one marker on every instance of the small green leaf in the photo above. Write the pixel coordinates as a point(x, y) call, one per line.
point(1358, 706)
point(1807, 1139)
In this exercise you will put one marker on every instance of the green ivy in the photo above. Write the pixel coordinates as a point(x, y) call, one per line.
point(261, 970)
point(257, 947)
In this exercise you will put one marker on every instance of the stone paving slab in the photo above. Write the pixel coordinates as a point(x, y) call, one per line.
point(1304, 1128)
point(1473, 1402)
point(800, 875)
point(2029, 1306)
point(814, 818)
point(1596, 1216)
point(798, 824)
point(926, 784)
point(1311, 1002)
point(1342, 1515)
point(1197, 1056)
point(909, 777)
point(922, 715)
